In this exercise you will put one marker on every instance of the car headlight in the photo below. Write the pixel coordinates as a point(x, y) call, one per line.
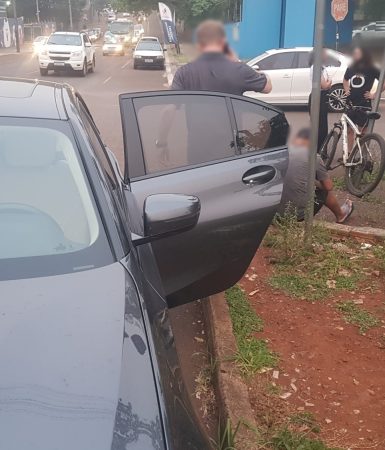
point(137, 56)
point(76, 54)
point(119, 48)
point(126, 38)
point(160, 57)
point(105, 47)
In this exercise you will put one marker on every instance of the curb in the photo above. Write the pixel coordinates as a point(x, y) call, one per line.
point(377, 234)
point(232, 392)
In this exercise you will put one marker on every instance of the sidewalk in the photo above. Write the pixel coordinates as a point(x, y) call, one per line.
point(26, 48)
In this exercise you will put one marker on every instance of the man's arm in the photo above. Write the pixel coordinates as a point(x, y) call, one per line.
point(255, 81)
point(346, 82)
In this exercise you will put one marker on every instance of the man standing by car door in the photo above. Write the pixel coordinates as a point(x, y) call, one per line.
point(214, 71)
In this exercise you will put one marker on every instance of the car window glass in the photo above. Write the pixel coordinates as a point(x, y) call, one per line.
point(276, 62)
point(256, 127)
point(39, 162)
point(303, 60)
point(64, 39)
point(183, 130)
point(332, 61)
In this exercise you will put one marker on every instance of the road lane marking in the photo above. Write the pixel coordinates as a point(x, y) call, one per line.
point(107, 80)
point(31, 73)
point(126, 64)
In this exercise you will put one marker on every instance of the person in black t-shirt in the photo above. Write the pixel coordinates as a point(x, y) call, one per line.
point(358, 84)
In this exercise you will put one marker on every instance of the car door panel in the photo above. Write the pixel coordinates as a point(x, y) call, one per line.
point(235, 211)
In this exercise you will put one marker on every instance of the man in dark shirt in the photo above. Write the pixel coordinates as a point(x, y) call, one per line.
point(213, 70)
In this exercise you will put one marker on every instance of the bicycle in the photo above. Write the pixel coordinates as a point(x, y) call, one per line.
point(365, 164)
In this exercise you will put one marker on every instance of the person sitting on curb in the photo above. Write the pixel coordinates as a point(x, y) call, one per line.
point(294, 194)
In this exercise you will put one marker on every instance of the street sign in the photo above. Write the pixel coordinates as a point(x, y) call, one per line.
point(340, 9)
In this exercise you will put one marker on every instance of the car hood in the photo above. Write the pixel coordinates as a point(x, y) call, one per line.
point(150, 53)
point(76, 372)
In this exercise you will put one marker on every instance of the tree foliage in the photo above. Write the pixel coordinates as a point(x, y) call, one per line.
point(56, 10)
point(374, 10)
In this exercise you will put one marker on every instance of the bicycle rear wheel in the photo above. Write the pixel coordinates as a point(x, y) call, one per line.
point(329, 148)
point(363, 178)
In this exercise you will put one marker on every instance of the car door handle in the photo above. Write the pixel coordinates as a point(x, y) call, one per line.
point(259, 175)
point(287, 76)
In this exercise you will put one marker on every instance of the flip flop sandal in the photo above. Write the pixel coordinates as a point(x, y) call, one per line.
point(347, 215)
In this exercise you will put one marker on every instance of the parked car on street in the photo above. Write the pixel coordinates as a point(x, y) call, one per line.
point(372, 34)
point(38, 44)
point(67, 51)
point(91, 259)
point(289, 72)
point(149, 53)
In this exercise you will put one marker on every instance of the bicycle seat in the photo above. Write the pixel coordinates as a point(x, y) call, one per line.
point(373, 115)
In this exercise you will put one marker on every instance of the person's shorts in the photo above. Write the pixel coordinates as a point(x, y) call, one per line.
point(358, 117)
point(320, 197)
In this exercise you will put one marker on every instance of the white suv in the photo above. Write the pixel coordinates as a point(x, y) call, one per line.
point(289, 72)
point(67, 51)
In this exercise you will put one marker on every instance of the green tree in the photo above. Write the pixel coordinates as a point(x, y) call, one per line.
point(374, 10)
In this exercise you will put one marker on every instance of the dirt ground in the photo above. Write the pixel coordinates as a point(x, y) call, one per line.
point(326, 366)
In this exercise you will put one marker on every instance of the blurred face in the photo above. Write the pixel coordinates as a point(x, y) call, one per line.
point(357, 54)
point(217, 45)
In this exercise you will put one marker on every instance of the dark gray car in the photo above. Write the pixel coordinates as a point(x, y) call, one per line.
point(90, 260)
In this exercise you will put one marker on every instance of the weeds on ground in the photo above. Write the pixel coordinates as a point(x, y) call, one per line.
point(339, 184)
point(314, 272)
point(379, 253)
point(253, 354)
point(358, 316)
point(204, 386)
point(226, 436)
point(286, 439)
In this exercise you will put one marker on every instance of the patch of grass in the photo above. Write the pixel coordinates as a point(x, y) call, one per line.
point(305, 419)
point(286, 439)
point(339, 184)
point(370, 198)
point(226, 436)
point(358, 316)
point(379, 253)
point(253, 354)
point(314, 272)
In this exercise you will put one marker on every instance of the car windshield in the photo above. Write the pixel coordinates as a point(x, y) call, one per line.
point(149, 45)
point(39, 39)
point(65, 39)
point(120, 27)
point(48, 221)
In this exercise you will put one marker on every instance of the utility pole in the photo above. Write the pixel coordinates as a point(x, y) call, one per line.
point(37, 11)
point(314, 115)
point(70, 12)
point(377, 99)
point(17, 37)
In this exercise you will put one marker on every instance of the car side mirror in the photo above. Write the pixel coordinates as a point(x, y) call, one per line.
point(166, 215)
point(87, 44)
point(165, 49)
point(256, 67)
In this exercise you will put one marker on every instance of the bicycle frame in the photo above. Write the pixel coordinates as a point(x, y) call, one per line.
point(345, 123)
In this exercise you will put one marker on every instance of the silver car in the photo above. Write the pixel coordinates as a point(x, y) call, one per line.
point(149, 53)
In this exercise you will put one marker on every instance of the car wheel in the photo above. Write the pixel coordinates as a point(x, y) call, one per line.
point(84, 71)
point(337, 98)
point(104, 54)
point(92, 68)
point(135, 66)
point(43, 72)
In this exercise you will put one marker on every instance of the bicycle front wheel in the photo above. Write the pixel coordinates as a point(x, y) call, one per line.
point(329, 148)
point(368, 165)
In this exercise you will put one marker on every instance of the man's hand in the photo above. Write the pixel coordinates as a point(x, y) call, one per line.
point(370, 95)
point(268, 87)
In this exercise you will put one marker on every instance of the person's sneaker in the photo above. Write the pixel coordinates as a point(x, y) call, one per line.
point(347, 209)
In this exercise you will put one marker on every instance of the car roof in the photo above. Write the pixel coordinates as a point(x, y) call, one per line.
point(69, 33)
point(31, 98)
point(149, 38)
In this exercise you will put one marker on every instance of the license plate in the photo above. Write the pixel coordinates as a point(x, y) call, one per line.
point(148, 60)
point(58, 64)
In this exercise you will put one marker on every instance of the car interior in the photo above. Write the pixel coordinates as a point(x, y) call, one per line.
point(45, 207)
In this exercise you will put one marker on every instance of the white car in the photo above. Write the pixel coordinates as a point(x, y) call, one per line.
point(67, 51)
point(149, 53)
point(289, 72)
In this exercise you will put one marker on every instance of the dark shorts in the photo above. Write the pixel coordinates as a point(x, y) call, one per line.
point(320, 197)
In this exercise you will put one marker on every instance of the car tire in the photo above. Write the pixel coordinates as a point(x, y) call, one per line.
point(135, 66)
point(104, 54)
point(84, 71)
point(93, 65)
point(43, 72)
point(337, 99)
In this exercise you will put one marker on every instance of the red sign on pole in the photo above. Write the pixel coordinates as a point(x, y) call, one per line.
point(340, 9)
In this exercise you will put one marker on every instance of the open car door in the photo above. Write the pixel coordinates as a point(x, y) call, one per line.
point(228, 151)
